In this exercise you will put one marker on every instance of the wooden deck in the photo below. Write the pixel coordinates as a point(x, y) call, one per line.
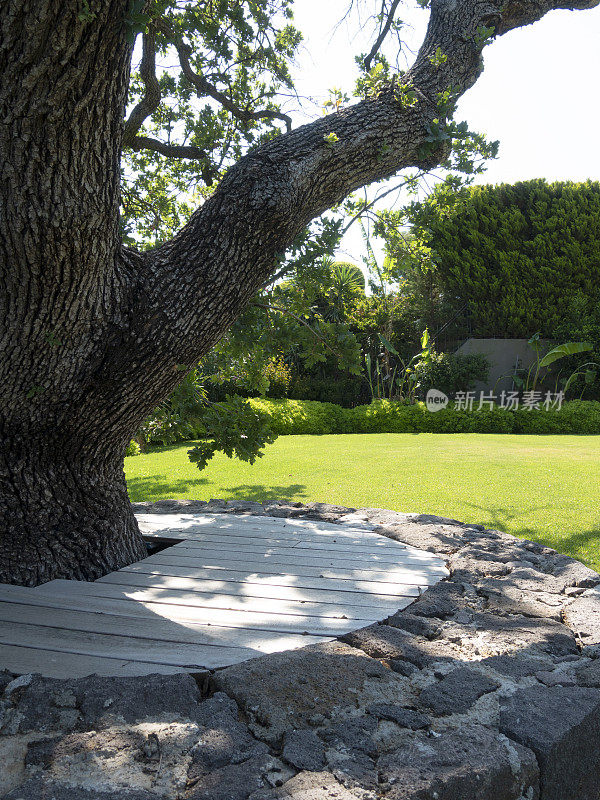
point(230, 589)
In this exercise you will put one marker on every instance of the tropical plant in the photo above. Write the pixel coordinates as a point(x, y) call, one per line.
point(346, 284)
point(396, 378)
point(588, 370)
point(528, 379)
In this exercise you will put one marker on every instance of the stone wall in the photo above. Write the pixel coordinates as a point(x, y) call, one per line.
point(487, 687)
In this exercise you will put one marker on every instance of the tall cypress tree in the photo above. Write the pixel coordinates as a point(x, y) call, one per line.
point(514, 259)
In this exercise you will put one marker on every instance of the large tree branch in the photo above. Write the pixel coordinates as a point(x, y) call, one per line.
point(151, 99)
point(175, 151)
point(200, 280)
point(147, 106)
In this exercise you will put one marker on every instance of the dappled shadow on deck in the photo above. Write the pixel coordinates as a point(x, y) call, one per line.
point(190, 609)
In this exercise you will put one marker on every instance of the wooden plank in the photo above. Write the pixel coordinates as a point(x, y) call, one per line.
point(211, 576)
point(52, 664)
point(125, 648)
point(324, 551)
point(241, 589)
point(259, 605)
point(261, 567)
point(193, 531)
point(191, 528)
point(352, 544)
point(417, 575)
point(368, 541)
point(224, 521)
point(363, 550)
point(153, 628)
point(126, 607)
point(286, 623)
point(338, 534)
point(305, 540)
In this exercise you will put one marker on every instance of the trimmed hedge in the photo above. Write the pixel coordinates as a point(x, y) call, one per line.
point(302, 416)
point(383, 416)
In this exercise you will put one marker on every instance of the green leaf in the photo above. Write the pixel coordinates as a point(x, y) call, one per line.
point(567, 349)
point(388, 346)
point(438, 58)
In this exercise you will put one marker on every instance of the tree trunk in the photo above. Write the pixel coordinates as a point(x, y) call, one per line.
point(63, 518)
point(63, 290)
point(93, 336)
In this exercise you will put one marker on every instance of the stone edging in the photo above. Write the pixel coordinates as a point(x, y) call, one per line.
point(486, 688)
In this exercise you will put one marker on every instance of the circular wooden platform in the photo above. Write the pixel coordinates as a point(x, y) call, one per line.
point(229, 588)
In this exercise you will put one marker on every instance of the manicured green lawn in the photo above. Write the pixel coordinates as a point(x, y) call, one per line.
point(545, 488)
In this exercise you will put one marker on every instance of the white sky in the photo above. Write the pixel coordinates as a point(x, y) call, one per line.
point(539, 93)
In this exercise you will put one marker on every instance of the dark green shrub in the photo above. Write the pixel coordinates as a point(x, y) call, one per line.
point(509, 259)
point(451, 373)
point(133, 448)
point(449, 420)
point(575, 417)
point(345, 391)
point(386, 416)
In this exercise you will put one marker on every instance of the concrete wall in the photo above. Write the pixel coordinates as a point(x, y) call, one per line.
point(504, 355)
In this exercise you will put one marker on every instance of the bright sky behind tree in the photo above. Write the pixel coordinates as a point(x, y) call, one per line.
point(538, 94)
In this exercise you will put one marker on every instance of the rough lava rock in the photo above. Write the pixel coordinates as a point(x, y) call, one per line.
point(562, 727)
point(471, 763)
point(304, 688)
point(457, 691)
point(583, 616)
point(487, 687)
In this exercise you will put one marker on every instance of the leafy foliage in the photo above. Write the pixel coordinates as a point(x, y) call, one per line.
point(451, 373)
point(133, 448)
point(209, 87)
point(508, 260)
point(231, 426)
point(567, 349)
point(232, 58)
point(235, 428)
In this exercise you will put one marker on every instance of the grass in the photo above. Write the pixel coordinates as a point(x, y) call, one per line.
point(539, 487)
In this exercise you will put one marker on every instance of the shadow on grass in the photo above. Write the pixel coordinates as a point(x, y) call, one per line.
point(503, 519)
point(583, 545)
point(161, 487)
point(262, 493)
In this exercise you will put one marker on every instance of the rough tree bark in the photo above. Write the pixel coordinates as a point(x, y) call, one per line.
point(92, 335)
